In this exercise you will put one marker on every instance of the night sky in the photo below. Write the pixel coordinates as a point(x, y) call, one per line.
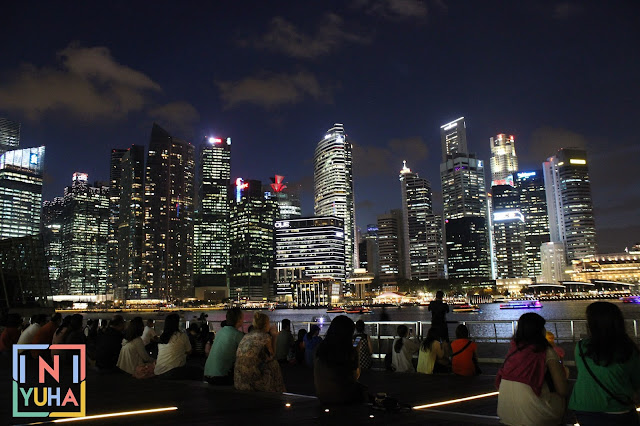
point(85, 77)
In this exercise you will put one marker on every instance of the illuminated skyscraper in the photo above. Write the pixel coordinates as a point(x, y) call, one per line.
point(508, 232)
point(9, 135)
point(212, 227)
point(85, 232)
point(168, 215)
point(453, 137)
point(422, 229)
point(21, 192)
point(568, 191)
point(391, 247)
point(287, 197)
point(504, 162)
point(114, 215)
point(333, 186)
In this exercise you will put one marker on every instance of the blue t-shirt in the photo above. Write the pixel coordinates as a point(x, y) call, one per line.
point(223, 352)
point(310, 346)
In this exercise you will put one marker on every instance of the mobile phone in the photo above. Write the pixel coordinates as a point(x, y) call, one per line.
point(357, 341)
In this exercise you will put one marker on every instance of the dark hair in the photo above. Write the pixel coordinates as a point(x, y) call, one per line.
point(360, 326)
point(286, 324)
point(39, 319)
point(149, 321)
point(64, 324)
point(314, 330)
point(76, 322)
point(134, 329)
point(195, 327)
point(171, 327)
point(608, 339)
point(56, 317)
point(402, 331)
point(531, 332)
point(14, 320)
point(301, 333)
point(116, 321)
point(432, 336)
point(462, 332)
point(337, 347)
point(233, 316)
point(250, 328)
point(439, 294)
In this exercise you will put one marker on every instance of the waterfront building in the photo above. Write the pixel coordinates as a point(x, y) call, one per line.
point(463, 187)
point(422, 230)
point(168, 217)
point(372, 250)
point(533, 205)
point(212, 228)
point(21, 173)
point(51, 225)
point(115, 173)
point(287, 197)
point(611, 268)
point(360, 285)
point(552, 262)
point(453, 137)
point(312, 293)
point(9, 135)
point(504, 162)
point(333, 186)
point(391, 247)
point(252, 241)
point(466, 240)
point(568, 193)
point(85, 233)
point(508, 232)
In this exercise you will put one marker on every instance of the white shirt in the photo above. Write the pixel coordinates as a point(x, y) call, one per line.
point(402, 362)
point(148, 334)
point(132, 355)
point(28, 335)
point(173, 354)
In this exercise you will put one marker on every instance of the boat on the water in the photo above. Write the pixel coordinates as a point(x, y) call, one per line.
point(358, 310)
point(522, 304)
point(630, 299)
point(466, 307)
point(335, 310)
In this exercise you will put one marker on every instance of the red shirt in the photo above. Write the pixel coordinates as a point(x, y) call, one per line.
point(44, 336)
point(462, 364)
point(9, 337)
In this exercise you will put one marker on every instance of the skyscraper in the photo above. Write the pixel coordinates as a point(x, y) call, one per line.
point(533, 205)
point(504, 162)
point(115, 173)
point(214, 203)
point(168, 215)
point(391, 247)
point(287, 197)
point(453, 136)
point(508, 232)
point(52, 223)
point(85, 232)
point(21, 192)
point(252, 241)
point(333, 186)
point(9, 135)
point(422, 229)
point(568, 192)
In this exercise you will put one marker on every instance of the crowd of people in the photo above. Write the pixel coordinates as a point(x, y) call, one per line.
point(532, 382)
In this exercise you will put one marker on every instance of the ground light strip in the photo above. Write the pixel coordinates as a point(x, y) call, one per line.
point(453, 401)
point(123, 413)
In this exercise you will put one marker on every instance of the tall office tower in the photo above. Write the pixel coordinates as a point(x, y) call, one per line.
point(391, 247)
point(504, 162)
point(333, 186)
point(553, 263)
point(568, 192)
point(212, 243)
point(9, 135)
point(422, 229)
point(252, 241)
point(85, 232)
point(51, 224)
point(508, 232)
point(21, 192)
point(127, 221)
point(168, 217)
point(308, 248)
point(373, 251)
point(533, 205)
point(288, 198)
point(114, 215)
point(453, 136)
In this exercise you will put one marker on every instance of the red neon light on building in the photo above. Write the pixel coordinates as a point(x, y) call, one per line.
point(277, 184)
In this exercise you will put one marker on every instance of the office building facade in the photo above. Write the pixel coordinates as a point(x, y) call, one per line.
point(287, 197)
point(508, 232)
point(453, 137)
point(52, 223)
point(391, 247)
point(504, 162)
point(9, 135)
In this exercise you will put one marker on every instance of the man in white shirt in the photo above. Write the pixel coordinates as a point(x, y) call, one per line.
point(149, 334)
point(29, 333)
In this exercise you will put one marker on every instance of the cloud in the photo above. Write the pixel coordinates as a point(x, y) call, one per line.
point(365, 205)
point(374, 160)
point(395, 9)
point(546, 141)
point(283, 36)
point(565, 10)
point(178, 116)
point(87, 82)
point(272, 90)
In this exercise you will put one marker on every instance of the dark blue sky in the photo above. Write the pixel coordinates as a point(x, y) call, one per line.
point(85, 77)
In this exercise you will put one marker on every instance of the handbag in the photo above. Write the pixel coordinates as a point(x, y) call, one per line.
point(611, 394)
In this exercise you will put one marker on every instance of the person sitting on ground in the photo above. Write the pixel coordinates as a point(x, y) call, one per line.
point(431, 357)
point(525, 396)
point(552, 341)
point(464, 357)
point(256, 368)
point(45, 335)
point(403, 350)
point(149, 334)
point(193, 332)
point(364, 346)
point(608, 364)
point(11, 334)
point(29, 334)
point(284, 342)
point(133, 358)
point(311, 342)
point(218, 370)
point(299, 346)
point(74, 334)
point(109, 343)
point(173, 348)
point(336, 370)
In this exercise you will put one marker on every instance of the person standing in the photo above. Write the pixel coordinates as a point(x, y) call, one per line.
point(311, 342)
point(439, 310)
point(284, 342)
point(608, 364)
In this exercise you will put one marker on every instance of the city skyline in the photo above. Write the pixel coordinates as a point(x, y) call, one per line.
point(565, 87)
